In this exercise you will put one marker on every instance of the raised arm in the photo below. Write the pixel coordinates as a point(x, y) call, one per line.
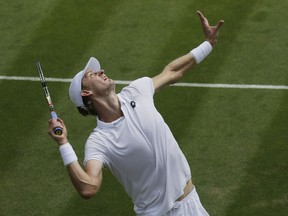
point(87, 182)
point(178, 67)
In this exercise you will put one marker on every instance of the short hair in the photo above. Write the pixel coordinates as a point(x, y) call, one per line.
point(88, 109)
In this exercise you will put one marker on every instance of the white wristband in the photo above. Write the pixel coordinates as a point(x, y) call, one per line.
point(202, 51)
point(67, 153)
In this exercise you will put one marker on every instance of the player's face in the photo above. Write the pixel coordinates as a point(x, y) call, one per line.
point(97, 81)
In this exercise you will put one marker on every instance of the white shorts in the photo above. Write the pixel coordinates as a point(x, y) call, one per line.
point(189, 206)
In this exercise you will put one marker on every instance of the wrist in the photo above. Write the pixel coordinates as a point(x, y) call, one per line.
point(212, 42)
point(62, 142)
point(202, 51)
point(67, 153)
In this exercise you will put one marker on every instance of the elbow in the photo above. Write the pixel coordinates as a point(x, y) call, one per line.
point(86, 196)
point(88, 192)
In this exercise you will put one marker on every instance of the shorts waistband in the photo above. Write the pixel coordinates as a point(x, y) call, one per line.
point(186, 198)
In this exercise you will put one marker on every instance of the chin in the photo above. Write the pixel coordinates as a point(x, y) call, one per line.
point(112, 84)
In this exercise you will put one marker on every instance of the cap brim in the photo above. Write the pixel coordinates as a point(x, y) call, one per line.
point(93, 64)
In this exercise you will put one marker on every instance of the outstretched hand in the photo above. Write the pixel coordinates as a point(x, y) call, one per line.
point(210, 32)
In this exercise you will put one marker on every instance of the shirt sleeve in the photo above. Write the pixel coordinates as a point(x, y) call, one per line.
point(95, 149)
point(143, 86)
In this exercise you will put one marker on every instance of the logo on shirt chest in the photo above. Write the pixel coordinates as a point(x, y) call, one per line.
point(133, 104)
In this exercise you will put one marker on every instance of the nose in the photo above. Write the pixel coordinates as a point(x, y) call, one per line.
point(100, 72)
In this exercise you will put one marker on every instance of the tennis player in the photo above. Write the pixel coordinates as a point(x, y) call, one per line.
point(132, 139)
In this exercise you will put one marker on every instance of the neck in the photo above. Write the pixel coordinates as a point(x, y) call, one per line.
point(108, 108)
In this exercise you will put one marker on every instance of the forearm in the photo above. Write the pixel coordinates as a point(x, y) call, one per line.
point(174, 71)
point(183, 64)
point(85, 184)
point(180, 66)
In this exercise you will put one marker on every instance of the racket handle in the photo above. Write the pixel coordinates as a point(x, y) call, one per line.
point(56, 130)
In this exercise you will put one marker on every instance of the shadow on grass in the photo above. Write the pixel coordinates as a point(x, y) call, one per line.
point(63, 38)
point(264, 189)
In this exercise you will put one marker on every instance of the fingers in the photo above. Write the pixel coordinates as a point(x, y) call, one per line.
point(201, 16)
point(61, 121)
point(54, 123)
point(219, 24)
point(210, 32)
point(203, 19)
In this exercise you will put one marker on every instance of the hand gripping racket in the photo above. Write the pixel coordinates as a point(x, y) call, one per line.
point(56, 130)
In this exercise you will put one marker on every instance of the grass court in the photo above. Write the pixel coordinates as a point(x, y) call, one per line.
point(235, 139)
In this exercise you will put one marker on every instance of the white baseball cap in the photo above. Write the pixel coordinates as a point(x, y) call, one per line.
point(76, 86)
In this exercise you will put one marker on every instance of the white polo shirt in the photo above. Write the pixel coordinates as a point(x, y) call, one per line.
point(141, 151)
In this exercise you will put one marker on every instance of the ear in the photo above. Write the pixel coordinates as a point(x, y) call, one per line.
point(85, 93)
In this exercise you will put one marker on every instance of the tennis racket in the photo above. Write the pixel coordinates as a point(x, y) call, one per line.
point(56, 130)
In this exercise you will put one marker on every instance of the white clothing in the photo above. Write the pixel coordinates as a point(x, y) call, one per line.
point(141, 151)
point(189, 206)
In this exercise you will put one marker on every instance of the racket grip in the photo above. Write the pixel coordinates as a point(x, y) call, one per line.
point(53, 115)
point(56, 130)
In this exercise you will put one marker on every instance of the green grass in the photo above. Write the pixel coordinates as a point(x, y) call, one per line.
point(235, 140)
